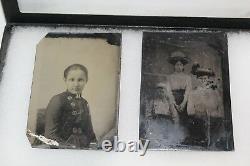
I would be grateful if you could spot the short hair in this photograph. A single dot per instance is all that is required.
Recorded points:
(74, 67)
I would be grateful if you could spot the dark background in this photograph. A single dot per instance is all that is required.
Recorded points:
(209, 49)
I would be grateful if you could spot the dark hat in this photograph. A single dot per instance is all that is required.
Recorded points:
(178, 56)
(198, 71)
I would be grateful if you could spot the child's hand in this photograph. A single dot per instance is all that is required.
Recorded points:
(182, 106)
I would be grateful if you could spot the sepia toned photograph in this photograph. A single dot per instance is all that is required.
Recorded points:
(185, 91)
(75, 91)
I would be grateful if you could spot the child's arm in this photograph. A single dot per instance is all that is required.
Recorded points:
(187, 92)
(52, 119)
(174, 114)
(90, 131)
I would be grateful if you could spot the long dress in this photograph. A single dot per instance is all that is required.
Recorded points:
(160, 123)
(206, 109)
(181, 86)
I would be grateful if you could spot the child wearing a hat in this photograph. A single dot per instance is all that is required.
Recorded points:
(161, 119)
(205, 109)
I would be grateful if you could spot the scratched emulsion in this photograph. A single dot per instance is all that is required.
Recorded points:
(89, 114)
(185, 98)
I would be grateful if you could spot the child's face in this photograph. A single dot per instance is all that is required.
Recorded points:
(203, 80)
(75, 81)
(160, 93)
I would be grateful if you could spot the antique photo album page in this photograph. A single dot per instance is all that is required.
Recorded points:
(136, 86)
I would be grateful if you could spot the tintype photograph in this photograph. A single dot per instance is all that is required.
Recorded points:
(185, 91)
(75, 91)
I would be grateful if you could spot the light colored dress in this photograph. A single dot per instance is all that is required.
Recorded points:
(205, 102)
(161, 122)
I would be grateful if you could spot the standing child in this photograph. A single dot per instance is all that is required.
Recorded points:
(161, 119)
(68, 119)
(205, 109)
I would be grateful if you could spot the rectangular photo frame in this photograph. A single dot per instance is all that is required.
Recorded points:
(75, 91)
(185, 91)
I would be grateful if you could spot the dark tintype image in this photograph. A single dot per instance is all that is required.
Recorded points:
(74, 92)
(185, 97)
